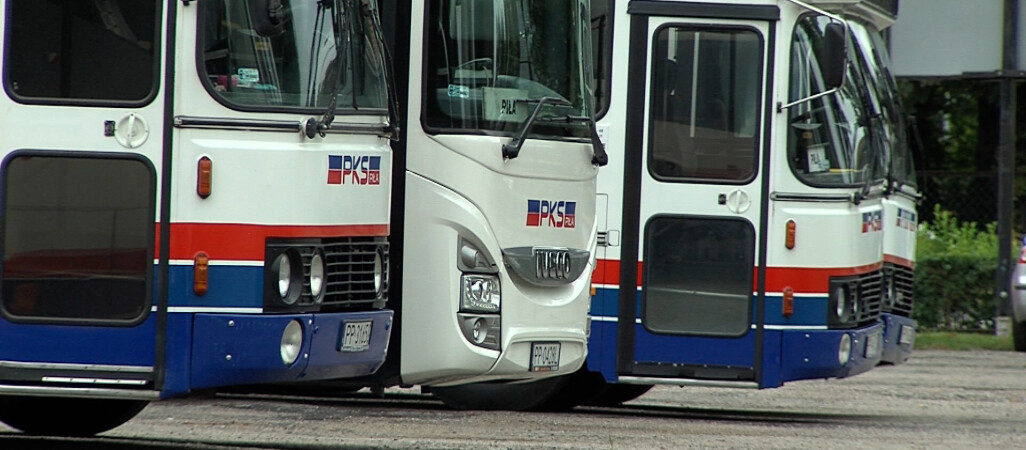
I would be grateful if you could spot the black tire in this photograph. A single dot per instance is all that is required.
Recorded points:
(580, 388)
(615, 394)
(53, 416)
(530, 396)
(1019, 335)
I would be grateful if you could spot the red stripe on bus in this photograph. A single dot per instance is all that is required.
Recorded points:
(245, 242)
(894, 259)
(802, 280)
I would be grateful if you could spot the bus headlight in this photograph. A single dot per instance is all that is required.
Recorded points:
(289, 276)
(291, 342)
(317, 271)
(844, 303)
(480, 293)
(844, 349)
(379, 274)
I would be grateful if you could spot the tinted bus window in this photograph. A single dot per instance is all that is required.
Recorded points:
(102, 50)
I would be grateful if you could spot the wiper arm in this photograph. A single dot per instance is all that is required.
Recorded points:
(314, 127)
(512, 149)
(599, 158)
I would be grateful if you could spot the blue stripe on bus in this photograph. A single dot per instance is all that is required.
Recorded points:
(808, 310)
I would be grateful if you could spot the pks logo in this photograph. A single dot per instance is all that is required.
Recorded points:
(361, 169)
(872, 221)
(906, 219)
(554, 213)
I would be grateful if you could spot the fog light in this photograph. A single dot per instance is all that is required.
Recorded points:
(291, 342)
(317, 277)
(482, 330)
(844, 349)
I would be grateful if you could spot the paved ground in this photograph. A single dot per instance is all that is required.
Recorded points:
(955, 400)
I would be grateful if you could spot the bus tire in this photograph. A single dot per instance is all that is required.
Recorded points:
(1019, 335)
(55, 416)
(530, 396)
(615, 394)
(581, 388)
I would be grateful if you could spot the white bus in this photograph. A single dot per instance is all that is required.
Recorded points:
(494, 234)
(741, 217)
(192, 195)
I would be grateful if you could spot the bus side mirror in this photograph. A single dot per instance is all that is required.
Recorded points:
(833, 56)
(267, 17)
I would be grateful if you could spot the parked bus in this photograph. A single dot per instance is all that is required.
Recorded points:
(493, 231)
(740, 218)
(194, 195)
(900, 216)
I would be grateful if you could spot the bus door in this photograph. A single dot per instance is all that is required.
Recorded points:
(695, 191)
(83, 133)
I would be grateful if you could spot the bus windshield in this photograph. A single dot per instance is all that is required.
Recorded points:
(830, 143)
(489, 62)
(324, 48)
(897, 152)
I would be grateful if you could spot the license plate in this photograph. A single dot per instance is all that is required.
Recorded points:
(907, 335)
(873, 345)
(544, 356)
(355, 336)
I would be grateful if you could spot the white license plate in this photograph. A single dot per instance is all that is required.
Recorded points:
(907, 335)
(874, 344)
(355, 336)
(544, 356)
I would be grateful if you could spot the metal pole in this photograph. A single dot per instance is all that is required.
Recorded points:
(1006, 162)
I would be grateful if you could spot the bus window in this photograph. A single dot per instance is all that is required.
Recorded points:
(698, 276)
(704, 104)
(325, 48)
(75, 249)
(85, 51)
(489, 62)
(829, 142)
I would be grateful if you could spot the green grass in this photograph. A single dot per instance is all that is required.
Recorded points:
(949, 340)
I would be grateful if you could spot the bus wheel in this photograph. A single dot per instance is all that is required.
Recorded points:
(500, 396)
(581, 388)
(66, 416)
(1019, 335)
(615, 394)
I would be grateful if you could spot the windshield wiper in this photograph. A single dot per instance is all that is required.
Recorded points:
(313, 126)
(512, 149)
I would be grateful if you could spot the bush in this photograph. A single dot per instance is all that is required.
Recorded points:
(955, 267)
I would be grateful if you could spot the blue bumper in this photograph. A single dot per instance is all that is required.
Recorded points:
(237, 349)
(899, 338)
(812, 354)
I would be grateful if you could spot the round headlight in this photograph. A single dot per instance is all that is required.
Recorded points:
(841, 309)
(379, 273)
(844, 349)
(892, 292)
(856, 305)
(480, 330)
(284, 276)
(291, 342)
(317, 276)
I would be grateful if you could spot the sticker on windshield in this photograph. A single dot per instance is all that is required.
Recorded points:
(248, 76)
(458, 91)
(817, 159)
(505, 105)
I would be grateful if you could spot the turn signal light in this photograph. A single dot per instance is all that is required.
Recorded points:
(204, 177)
(789, 237)
(788, 304)
(200, 273)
